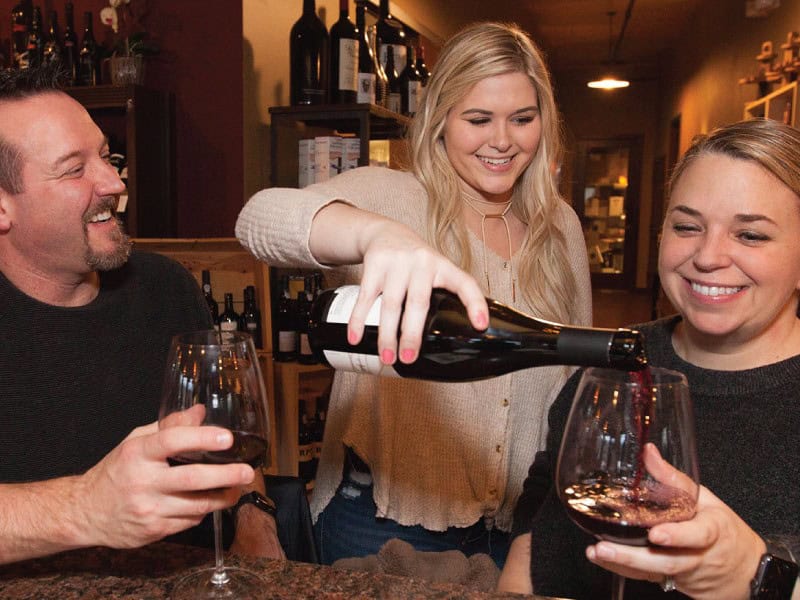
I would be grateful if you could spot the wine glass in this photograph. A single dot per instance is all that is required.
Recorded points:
(628, 458)
(213, 378)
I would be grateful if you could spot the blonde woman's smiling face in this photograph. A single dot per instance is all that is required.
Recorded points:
(493, 133)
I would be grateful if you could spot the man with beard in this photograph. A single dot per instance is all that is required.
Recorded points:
(85, 327)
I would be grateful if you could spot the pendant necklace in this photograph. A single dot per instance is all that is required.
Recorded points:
(471, 200)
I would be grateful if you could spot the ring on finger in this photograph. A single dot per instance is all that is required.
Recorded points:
(668, 584)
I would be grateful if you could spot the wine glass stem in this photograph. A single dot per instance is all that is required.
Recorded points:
(617, 586)
(220, 577)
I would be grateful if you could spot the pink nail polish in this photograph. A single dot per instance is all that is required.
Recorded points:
(351, 337)
(482, 320)
(407, 355)
(387, 357)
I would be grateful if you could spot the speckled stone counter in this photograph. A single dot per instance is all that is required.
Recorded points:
(150, 573)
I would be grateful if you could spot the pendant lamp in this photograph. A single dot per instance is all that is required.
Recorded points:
(609, 81)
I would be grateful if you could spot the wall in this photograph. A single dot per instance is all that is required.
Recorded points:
(718, 48)
(199, 62)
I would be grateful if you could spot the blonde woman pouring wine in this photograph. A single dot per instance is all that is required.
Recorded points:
(439, 465)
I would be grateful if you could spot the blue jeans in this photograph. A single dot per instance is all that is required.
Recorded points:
(348, 528)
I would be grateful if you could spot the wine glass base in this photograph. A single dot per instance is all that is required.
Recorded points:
(239, 584)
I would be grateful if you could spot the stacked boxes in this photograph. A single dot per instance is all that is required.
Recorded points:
(326, 156)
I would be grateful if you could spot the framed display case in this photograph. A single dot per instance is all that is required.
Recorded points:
(606, 197)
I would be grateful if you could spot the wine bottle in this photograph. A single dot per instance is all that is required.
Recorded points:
(70, 45)
(20, 25)
(381, 81)
(410, 85)
(452, 350)
(87, 56)
(35, 46)
(305, 299)
(52, 52)
(422, 68)
(344, 58)
(305, 450)
(309, 58)
(250, 319)
(286, 325)
(229, 319)
(390, 34)
(365, 92)
(213, 306)
(395, 96)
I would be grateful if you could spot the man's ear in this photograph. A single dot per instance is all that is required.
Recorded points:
(6, 209)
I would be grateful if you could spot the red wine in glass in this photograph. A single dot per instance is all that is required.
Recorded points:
(246, 448)
(618, 422)
(213, 378)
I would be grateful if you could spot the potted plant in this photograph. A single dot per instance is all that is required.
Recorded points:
(131, 44)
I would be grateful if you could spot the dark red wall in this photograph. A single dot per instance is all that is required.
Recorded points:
(201, 64)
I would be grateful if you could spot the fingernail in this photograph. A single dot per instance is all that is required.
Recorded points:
(407, 355)
(590, 553)
(387, 357)
(482, 320)
(352, 338)
(225, 438)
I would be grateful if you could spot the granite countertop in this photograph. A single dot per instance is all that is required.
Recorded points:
(150, 572)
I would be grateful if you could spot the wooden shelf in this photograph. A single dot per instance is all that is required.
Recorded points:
(143, 119)
(232, 269)
(775, 105)
(289, 124)
(291, 380)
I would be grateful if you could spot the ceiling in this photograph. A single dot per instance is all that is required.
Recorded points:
(573, 33)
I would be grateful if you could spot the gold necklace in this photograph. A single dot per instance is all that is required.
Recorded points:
(501, 215)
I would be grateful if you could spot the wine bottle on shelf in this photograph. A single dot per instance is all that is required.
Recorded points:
(422, 68)
(344, 58)
(286, 325)
(319, 431)
(21, 16)
(381, 81)
(229, 319)
(70, 45)
(87, 56)
(390, 34)
(213, 306)
(309, 55)
(35, 46)
(305, 449)
(365, 92)
(395, 96)
(452, 350)
(250, 319)
(305, 299)
(52, 52)
(410, 85)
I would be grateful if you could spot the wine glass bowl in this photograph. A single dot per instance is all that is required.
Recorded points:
(628, 459)
(214, 378)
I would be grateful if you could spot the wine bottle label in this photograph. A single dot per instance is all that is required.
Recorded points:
(395, 102)
(287, 341)
(413, 96)
(305, 347)
(366, 88)
(227, 325)
(348, 64)
(339, 311)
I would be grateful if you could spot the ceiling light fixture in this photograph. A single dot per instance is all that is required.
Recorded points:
(609, 81)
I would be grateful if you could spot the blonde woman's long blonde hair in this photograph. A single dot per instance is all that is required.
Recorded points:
(479, 51)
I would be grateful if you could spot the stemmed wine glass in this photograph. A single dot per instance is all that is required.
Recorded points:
(611, 473)
(213, 378)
